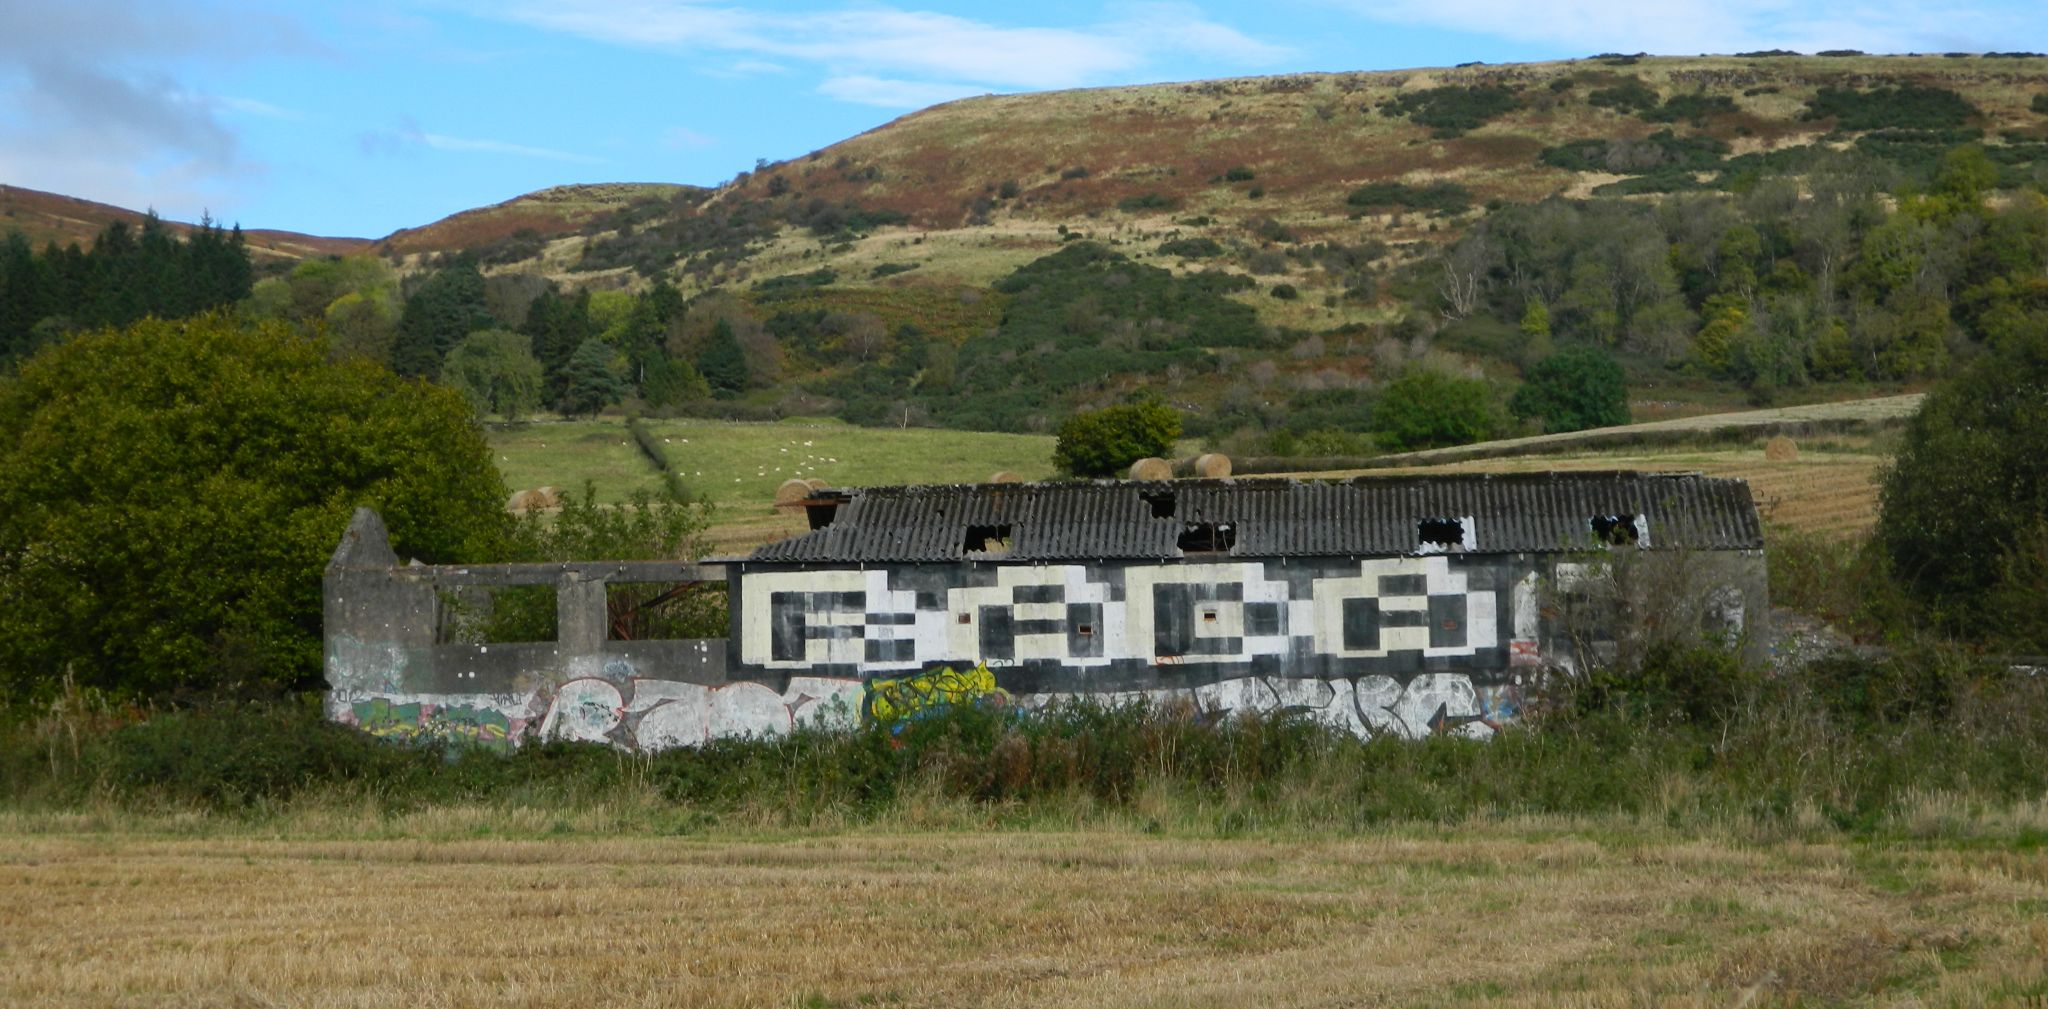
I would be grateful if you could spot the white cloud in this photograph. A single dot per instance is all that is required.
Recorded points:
(1683, 27)
(410, 136)
(886, 55)
(891, 94)
(680, 137)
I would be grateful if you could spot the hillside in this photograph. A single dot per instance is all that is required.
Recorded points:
(50, 217)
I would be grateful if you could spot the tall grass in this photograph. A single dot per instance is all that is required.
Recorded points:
(1691, 739)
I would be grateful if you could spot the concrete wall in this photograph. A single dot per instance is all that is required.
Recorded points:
(1409, 645)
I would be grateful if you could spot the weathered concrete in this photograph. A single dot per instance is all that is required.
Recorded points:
(1429, 643)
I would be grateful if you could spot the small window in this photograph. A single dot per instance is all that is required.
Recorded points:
(1208, 538)
(1438, 535)
(1208, 616)
(965, 618)
(987, 540)
(1617, 530)
(1085, 630)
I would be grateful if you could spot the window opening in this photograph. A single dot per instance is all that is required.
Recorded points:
(1437, 535)
(664, 611)
(1617, 530)
(966, 618)
(987, 540)
(1208, 537)
(1208, 616)
(1085, 630)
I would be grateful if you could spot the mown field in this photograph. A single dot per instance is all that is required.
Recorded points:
(1525, 913)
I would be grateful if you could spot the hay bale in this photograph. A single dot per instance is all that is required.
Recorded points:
(520, 501)
(1212, 466)
(1005, 477)
(817, 484)
(547, 497)
(1781, 449)
(792, 491)
(1152, 469)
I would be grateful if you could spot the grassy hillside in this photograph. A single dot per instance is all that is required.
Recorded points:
(50, 217)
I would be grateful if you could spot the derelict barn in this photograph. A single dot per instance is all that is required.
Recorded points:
(1382, 605)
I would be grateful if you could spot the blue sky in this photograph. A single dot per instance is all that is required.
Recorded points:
(363, 117)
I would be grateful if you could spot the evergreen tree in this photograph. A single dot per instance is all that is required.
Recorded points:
(723, 362)
(588, 383)
(445, 309)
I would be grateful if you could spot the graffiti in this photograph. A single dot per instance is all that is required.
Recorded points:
(893, 702)
(420, 721)
(647, 714)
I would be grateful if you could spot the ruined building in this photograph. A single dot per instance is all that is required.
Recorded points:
(1407, 605)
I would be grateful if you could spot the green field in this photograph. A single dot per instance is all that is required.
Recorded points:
(737, 466)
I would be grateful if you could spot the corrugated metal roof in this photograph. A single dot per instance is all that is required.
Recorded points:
(1366, 516)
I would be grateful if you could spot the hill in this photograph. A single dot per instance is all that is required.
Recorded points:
(50, 217)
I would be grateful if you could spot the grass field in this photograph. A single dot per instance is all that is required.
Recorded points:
(737, 466)
(1520, 913)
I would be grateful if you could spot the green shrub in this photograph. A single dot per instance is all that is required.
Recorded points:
(1146, 201)
(1453, 109)
(1106, 442)
(1239, 173)
(1573, 390)
(1691, 108)
(1629, 95)
(1907, 106)
(1445, 197)
(1191, 248)
(1426, 408)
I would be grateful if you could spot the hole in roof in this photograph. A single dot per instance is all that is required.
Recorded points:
(821, 515)
(1162, 503)
(1207, 537)
(987, 540)
(1617, 530)
(1440, 534)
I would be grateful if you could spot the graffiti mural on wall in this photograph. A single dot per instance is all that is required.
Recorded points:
(894, 701)
(428, 720)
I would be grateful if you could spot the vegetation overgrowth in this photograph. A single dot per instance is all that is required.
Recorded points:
(1689, 735)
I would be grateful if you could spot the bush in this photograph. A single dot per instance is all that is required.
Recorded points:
(1425, 408)
(1106, 442)
(1453, 109)
(1146, 201)
(174, 490)
(1447, 197)
(1908, 106)
(1969, 483)
(1191, 248)
(1573, 390)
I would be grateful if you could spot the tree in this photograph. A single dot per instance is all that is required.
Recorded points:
(1106, 442)
(446, 308)
(495, 371)
(175, 488)
(1573, 390)
(1968, 483)
(588, 382)
(723, 362)
(1426, 408)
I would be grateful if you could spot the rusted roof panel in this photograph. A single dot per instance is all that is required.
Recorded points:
(1366, 516)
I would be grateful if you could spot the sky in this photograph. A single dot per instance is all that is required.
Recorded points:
(360, 118)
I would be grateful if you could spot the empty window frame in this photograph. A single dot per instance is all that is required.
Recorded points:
(1207, 537)
(1443, 535)
(1617, 530)
(987, 540)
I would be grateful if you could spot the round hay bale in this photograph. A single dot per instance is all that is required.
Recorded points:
(792, 491)
(817, 484)
(1005, 477)
(1152, 469)
(520, 501)
(1212, 466)
(1781, 449)
(547, 497)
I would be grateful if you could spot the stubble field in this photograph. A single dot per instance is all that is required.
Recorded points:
(1511, 914)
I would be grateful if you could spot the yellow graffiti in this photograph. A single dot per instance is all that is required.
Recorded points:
(891, 701)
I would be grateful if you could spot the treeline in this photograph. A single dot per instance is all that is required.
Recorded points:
(129, 273)
(1784, 283)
